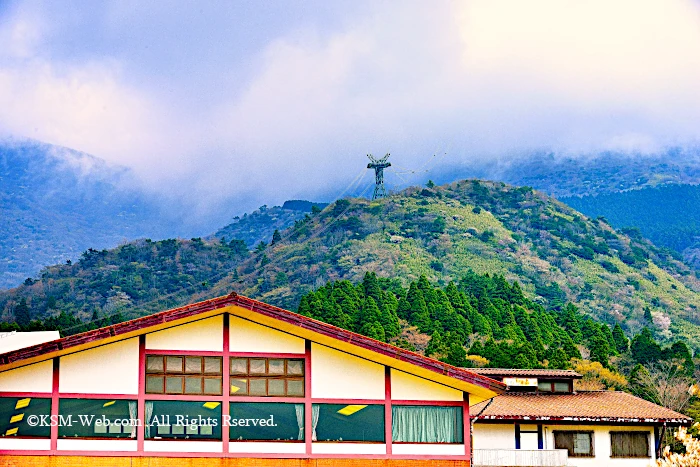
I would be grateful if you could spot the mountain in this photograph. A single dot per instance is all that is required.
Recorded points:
(667, 215)
(259, 225)
(555, 253)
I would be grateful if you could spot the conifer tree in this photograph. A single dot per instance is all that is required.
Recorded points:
(622, 344)
(22, 316)
(644, 348)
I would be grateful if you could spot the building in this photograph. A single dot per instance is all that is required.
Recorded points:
(235, 379)
(541, 412)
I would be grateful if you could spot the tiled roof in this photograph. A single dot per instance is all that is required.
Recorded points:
(141, 325)
(589, 406)
(535, 373)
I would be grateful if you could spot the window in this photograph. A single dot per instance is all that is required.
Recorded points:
(183, 374)
(553, 386)
(183, 420)
(342, 422)
(544, 386)
(426, 424)
(273, 377)
(97, 418)
(15, 413)
(629, 444)
(578, 443)
(266, 422)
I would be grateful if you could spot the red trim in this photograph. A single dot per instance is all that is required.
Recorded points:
(308, 423)
(183, 397)
(436, 403)
(45, 395)
(54, 402)
(141, 404)
(164, 317)
(226, 385)
(388, 424)
(267, 355)
(71, 395)
(198, 353)
(467, 427)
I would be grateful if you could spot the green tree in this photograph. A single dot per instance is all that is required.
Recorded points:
(622, 344)
(22, 316)
(644, 348)
(276, 237)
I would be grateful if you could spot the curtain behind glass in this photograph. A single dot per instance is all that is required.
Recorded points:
(425, 424)
(315, 410)
(132, 416)
(148, 412)
(299, 408)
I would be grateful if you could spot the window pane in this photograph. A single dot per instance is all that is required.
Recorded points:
(239, 387)
(544, 386)
(577, 443)
(193, 385)
(154, 384)
(154, 364)
(212, 365)
(14, 415)
(193, 364)
(258, 387)
(561, 387)
(629, 444)
(212, 386)
(295, 387)
(275, 387)
(257, 366)
(188, 420)
(278, 422)
(340, 422)
(295, 367)
(173, 364)
(239, 366)
(275, 366)
(426, 424)
(97, 418)
(173, 385)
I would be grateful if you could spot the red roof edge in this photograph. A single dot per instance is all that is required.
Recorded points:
(687, 421)
(264, 309)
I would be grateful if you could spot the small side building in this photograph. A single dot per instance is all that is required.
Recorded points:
(541, 417)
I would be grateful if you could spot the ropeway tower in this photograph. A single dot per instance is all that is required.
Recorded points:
(378, 165)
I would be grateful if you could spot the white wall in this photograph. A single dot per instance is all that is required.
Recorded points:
(121, 445)
(405, 386)
(242, 447)
(26, 444)
(19, 340)
(206, 334)
(109, 369)
(493, 436)
(31, 378)
(183, 446)
(246, 336)
(338, 375)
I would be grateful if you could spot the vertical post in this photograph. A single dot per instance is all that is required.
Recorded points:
(141, 398)
(467, 426)
(517, 436)
(226, 383)
(54, 404)
(308, 423)
(540, 438)
(388, 421)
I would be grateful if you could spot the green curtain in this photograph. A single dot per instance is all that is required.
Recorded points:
(426, 424)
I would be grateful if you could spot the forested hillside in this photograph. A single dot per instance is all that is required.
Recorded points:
(555, 254)
(668, 215)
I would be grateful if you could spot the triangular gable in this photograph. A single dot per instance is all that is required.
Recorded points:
(479, 387)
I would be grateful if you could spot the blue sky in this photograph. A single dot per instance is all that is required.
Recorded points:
(261, 101)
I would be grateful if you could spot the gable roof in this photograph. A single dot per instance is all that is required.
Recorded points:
(584, 406)
(531, 373)
(265, 314)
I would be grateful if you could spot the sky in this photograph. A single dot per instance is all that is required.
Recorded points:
(243, 103)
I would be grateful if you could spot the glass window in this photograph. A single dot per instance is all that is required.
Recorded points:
(544, 386)
(629, 444)
(561, 386)
(174, 374)
(273, 377)
(14, 415)
(578, 443)
(266, 421)
(97, 418)
(426, 424)
(183, 420)
(343, 422)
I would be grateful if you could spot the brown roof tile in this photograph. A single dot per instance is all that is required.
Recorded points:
(589, 406)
